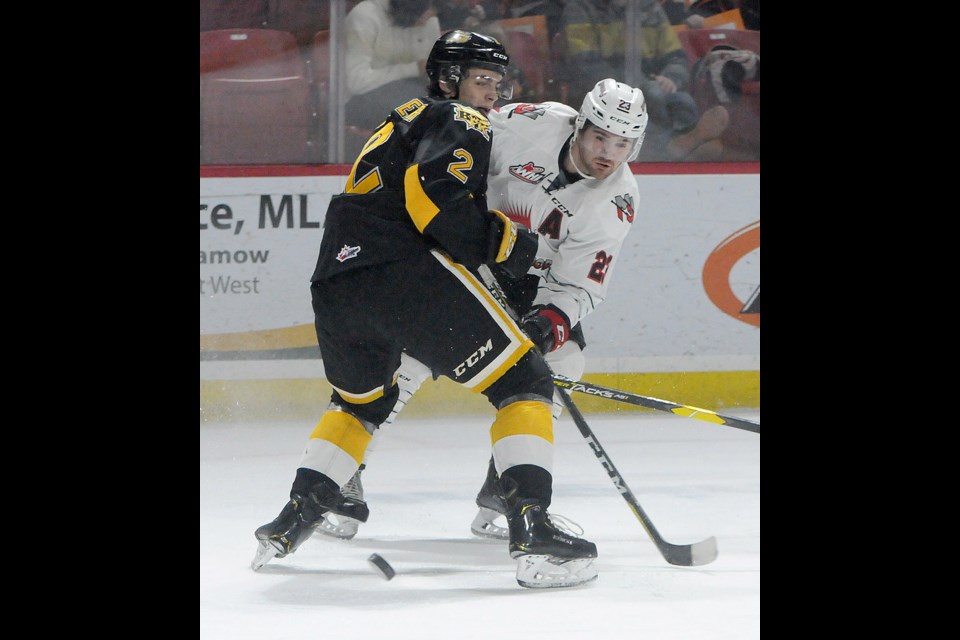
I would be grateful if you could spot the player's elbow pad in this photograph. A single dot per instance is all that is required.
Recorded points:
(511, 248)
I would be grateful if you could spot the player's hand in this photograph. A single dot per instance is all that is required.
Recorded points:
(548, 328)
(510, 247)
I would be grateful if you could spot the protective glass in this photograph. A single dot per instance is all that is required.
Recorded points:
(504, 87)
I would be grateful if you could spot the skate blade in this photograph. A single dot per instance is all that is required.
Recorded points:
(547, 572)
(265, 553)
(484, 527)
(343, 528)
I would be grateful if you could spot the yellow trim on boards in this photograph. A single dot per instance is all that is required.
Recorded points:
(304, 335)
(307, 398)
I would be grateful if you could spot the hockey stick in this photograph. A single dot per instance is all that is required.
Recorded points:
(655, 403)
(684, 555)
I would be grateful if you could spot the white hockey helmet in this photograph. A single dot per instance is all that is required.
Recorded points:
(618, 108)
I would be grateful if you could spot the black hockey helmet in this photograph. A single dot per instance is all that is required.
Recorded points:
(456, 50)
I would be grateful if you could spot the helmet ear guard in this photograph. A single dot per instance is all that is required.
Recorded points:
(451, 76)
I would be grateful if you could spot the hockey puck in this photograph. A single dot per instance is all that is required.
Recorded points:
(382, 565)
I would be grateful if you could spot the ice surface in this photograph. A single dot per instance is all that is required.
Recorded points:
(693, 479)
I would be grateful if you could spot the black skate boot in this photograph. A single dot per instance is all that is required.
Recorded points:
(492, 505)
(547, 556)
(337, 525)
(299, 519)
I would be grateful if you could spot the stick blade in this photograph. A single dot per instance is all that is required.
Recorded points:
(690, 555)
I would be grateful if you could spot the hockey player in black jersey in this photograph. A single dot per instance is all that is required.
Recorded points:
(565, 174)
(396, 272)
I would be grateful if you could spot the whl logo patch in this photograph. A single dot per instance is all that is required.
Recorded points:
(528, 172)
(347, 252)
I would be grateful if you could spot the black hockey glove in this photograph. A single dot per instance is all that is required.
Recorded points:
(510, 247)
(548, 327)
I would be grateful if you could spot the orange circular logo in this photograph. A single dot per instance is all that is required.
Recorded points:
(716, 274)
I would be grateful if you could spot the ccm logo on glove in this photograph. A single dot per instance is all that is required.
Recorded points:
(547, 327)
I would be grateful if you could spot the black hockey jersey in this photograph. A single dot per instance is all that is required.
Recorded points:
(419, 183)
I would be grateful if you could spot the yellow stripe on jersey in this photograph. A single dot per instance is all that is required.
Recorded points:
(372, 181)
(480, 291)
(421, 208)
(519, 342)
(361, 398)
(343, 430)
(524, 418)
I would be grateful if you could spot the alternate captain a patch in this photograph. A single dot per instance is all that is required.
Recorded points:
(473, 119)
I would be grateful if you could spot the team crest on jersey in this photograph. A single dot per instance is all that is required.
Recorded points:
(347, 252)
(473, 119)
(624, 205)
(532, 111)
(528, 172)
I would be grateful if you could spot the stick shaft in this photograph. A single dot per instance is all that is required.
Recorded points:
(675, 408)
(685, 555)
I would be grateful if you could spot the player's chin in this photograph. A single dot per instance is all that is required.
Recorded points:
(600, 171)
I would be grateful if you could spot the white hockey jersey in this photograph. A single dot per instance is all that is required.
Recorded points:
(582, 225)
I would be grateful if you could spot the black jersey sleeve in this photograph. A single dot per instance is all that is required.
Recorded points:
(446, 181)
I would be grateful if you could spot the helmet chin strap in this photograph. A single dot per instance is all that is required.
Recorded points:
(573, 160)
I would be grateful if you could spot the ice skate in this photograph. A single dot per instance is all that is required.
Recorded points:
(547, 556)
(492, 507)
(342, 526)
(285, 534)
(298, 520)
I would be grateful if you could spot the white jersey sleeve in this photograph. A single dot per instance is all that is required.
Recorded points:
(582, 224)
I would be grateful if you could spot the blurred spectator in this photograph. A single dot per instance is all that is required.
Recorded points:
(387, 44)
(676, 10)
(595, 34)
(467, 14)
(750, 10)
(730, 77)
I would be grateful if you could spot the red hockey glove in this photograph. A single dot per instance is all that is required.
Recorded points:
(548, 328)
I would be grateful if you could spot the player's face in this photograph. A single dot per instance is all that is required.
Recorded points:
(599, 153)
(480, 88)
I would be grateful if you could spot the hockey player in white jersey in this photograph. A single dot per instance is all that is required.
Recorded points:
(565, 175)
